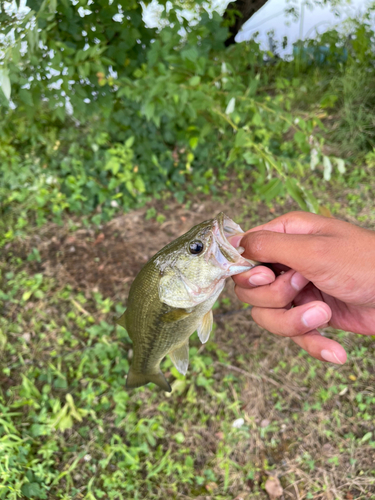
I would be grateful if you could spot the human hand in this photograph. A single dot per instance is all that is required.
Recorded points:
(329, 279)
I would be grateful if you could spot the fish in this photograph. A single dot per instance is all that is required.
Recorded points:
(173, 295)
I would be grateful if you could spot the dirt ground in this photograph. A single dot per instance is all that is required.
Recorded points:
(108, 259)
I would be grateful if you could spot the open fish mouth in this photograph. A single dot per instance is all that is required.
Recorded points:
(224, 254)
(227, 227)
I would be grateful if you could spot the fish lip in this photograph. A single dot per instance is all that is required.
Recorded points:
(222, 229)
(231, 231)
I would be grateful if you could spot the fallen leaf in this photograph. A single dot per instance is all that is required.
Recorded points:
(325, 211)
(327, 449)
(99, 239)
(273, 488)
(211, 486)
(26, 336)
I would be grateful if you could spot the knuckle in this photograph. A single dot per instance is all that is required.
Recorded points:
(280, 302)
(294, 330)
(296, 216)
(244, 295)
(279, 322)
(281, 293)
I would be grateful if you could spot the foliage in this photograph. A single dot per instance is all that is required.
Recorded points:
(107, 114)
(345, 89)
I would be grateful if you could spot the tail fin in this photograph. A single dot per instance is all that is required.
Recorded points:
(137, 379)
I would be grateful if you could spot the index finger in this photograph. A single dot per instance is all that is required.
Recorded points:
(289, 239)
(292, 223)
(296, 223)
(300, 252)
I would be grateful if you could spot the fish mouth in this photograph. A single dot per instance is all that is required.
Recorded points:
(225, 255)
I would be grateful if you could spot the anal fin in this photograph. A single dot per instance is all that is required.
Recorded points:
(204, 329)
(180, 357)
(137, 379)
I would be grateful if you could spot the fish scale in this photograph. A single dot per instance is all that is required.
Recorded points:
(173, 295)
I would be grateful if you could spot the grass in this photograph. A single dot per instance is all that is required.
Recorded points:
(70, 430)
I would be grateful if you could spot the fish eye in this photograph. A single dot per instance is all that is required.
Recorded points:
(196, 247)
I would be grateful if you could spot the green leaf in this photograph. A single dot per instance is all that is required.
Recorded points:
(65, 423)
(231, 106)
(26, 295)
(179, 437)
(191, 54)
(33, 490)
(139, 184)
(272, 189)
(256, 120)
(366, 437)
(243, 138)
(5, 82)
(194, 81)
(311, 202)
(193, 142)
(327, 168)
(296, 192)
(340, 163)
(314, 158)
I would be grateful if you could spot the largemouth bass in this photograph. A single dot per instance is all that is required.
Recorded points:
(172, 297)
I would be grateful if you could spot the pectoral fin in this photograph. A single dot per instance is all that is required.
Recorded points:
(180, 357)
(204, 329)
(174, 315)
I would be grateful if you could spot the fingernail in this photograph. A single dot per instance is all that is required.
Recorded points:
(315, 317)
(330, 356)
(260, 279)
(298, 281)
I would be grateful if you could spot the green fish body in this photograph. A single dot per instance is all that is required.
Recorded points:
(172, 297)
